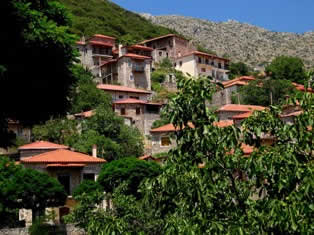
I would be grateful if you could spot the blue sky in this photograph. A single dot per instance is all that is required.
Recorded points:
(277, 15)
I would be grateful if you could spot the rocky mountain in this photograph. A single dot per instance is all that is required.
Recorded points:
(240, 41)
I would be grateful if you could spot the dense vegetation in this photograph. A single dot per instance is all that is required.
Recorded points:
(269, 192)
(105, 17)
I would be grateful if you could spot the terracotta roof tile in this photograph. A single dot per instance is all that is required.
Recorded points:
(99, 43)
(223, 123)
(242, 115)
(130, 101)
(239, 108)
(136, 56)
(242, 81)
(140, 47)
(108, 62)
(62, 156)
(43, 145)
(301, 87)
(121, 88)
(86, 114)
(103, 36)
(80, 43)
(66, 165)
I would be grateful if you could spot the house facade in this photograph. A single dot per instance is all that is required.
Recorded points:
(198, 63)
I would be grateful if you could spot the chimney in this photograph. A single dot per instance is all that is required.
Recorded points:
(120, 50)
(94, 150)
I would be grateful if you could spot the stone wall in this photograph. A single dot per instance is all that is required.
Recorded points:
(61, 229)
(156, 142)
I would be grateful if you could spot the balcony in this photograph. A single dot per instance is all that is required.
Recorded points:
(102, 52)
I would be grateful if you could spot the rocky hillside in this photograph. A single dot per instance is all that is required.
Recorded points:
(241, 42)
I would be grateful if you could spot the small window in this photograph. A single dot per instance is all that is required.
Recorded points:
(175, 65)
(120, 96)
(138, 110)
(135, 97)
(122, 111)
(160, 53)
(203, 70)
(165, 141)
(131, 77)
(199, 60)
(180, 63)
(213, 63)
(89, 176)
(206, 61)
(219, 65)
(167, 54)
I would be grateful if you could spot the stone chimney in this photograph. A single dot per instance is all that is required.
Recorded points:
(120, 50)
(94, 150)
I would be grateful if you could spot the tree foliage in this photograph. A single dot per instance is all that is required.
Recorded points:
(266, 92)
(107, 18)
(26, 188)
(269, 192)
(238, 69)
(287, 68)
(129, 170)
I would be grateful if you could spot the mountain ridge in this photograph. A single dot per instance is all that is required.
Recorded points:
(244, 42)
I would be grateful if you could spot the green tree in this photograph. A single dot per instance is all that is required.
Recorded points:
(127, 170)
(266, 193)
(86, 187)
(266, 92)
(36, 61)
(238, 69)
(85, 95)
(27, 188)
(287, 68)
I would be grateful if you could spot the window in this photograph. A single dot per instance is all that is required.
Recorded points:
(135, 97)
(167, 54)
(138, 110)
(213, 63)
(65, 181)
(199, 60)
(175, 65)
(89, 176)
(160, 53)
(219, 65)
(131, 77)
(203, 70)
(122, 111)
(206, 61)
(152, 109)
(165, 141)
(120, 96)
(180, 63)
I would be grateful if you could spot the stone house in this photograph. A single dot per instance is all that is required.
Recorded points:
(124, 92)
(38, 147)
(198, 63)
(140, 113)
(69, 168)
(95, 51)
(20, 130)
(228, 111)
(164, 139)
(168, 46)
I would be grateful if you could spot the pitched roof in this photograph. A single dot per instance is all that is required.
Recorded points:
(42, 145)
(108, 87)
(80, 43)
(62, 156)
(239, 108)
(203, 54)
(242, 81)
(301, 87)
(293, 114)
(108, 62)
(223, 123)
(161, 37)
(86, 114)
(130, 101)
(136, 56)
(242, 115)
(140, 47)
(99, 43)
(103, 36)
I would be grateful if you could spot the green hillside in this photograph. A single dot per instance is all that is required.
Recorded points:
(105, 17)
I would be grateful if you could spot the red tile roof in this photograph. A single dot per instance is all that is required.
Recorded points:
(86, 114)
(223, 123)
(294, 114)
(165, 128)
(140, 47)
(66, 165)
(108, 62)
(130, 101)
(62, 156)
(241, 81)
(300, 87)
(80, 43)
(103, 36)
(99, 43)
(242, 115)
(136, 56)
(203, 54)
(160, 37)
(43, 145)
(108, 87)
(239, 108)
